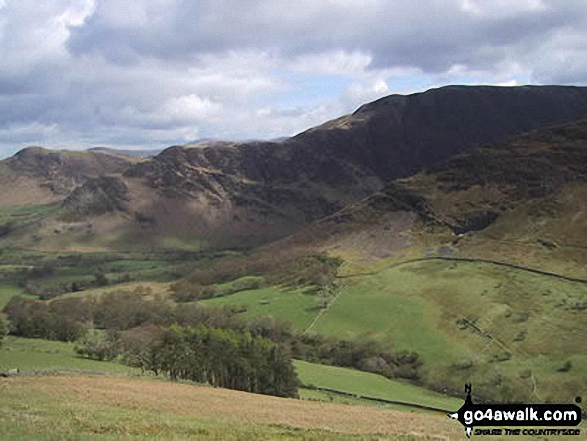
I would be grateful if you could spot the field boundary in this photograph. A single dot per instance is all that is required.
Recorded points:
(469, 260)
(383, 400)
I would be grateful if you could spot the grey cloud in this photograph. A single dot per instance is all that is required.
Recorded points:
(125, 73)
(429, 35)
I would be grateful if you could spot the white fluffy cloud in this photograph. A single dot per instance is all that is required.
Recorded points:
(77, 73)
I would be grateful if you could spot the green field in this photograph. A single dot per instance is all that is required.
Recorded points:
(371, 385)
(513, 333)
(7, 290)
(31, 355)
(295, 306)
(19, 216)
(507, 330)
(57, 272)
(52, 407)
(113, 407)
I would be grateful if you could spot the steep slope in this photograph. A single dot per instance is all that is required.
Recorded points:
(523, 202)
(267, 190)
(478, 264)
(244, 194)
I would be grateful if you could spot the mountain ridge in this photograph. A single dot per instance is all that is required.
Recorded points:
(229, 194)
(521, 201)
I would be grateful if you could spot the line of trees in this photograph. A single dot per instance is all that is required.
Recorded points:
(123, 312)
(222, 358)
(55, 321)
(290, 268)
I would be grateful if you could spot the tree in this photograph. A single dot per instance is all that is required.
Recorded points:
(100, 278)
(222, 358)
(97, 348)
(34, 319)
(187, 291)
(141, 347)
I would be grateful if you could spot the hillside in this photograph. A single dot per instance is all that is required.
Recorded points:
(238, 195)
(38, 176)
(128, 404)
(101, 407)
(459, 253)
(477, 264)
(521, 202)
(269, 190)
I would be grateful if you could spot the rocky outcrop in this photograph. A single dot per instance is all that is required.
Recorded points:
(98, 196)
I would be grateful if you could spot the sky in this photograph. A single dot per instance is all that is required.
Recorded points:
(76, 74)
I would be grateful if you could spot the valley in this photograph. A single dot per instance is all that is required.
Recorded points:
(395, 254)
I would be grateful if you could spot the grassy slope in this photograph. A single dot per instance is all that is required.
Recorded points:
(92, 407)
(534, 320)
(78, 407)
(292, 305)
(41, 355)
(7, 290)
(416, 308)
(108, 421)
(370, 385)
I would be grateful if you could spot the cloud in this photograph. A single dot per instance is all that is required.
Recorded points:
(148, 73)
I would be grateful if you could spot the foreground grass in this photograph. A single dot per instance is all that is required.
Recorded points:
(31, 355)
(85, 407)
(90, 407)
(116, 406)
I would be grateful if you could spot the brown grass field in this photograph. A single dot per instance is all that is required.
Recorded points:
(82, 407)
(79, 407)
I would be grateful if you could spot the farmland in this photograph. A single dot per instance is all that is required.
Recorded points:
(466, 320)
(42, 356)
(293, 305)
(37, 355)
(112, 404)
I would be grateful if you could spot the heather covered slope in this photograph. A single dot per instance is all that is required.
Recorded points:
(521, 202)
